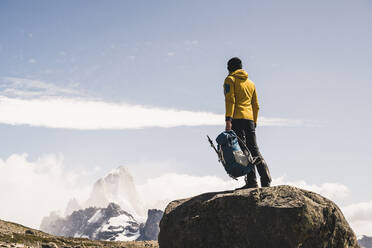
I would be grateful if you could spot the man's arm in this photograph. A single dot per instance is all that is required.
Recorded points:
(229, 101)
(255, 106)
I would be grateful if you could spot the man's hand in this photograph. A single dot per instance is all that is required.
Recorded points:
(228, 125)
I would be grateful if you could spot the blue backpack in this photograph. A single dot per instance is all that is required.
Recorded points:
(236, 162)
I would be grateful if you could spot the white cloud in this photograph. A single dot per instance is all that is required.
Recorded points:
(32, 61)
(27, 88)
(359, 216)
(170, 54)
(333, 191)
(94, 114)
(31, 189)
(158, 191)
(36, 103)
(85, 114)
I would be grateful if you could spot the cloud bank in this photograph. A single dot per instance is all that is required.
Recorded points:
(36, 103)
(29, 88)
(30, 190)
(359, 216)
(158, 191)
(333, 191)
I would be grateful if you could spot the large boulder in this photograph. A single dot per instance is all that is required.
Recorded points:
(281, 216)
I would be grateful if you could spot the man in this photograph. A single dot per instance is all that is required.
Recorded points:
(241, 116)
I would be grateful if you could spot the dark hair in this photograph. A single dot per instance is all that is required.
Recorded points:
(234, 64)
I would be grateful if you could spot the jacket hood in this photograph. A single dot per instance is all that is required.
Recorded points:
(240, 73)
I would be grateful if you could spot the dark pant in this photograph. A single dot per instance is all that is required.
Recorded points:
(246, 131)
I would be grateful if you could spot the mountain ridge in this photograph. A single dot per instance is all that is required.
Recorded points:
(110, 224)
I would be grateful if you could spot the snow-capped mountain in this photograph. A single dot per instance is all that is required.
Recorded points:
(118, 187)
(365, 242)
(111, 223)
(113, 211)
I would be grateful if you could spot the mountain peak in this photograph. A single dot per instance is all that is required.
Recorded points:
(117, 187)
(121, 170)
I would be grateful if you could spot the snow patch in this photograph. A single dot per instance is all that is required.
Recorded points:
(119, 224)
(96, 217)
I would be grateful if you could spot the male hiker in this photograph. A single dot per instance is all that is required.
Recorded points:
(241, 116)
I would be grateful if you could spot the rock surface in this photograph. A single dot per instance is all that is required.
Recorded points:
(281, 216)
(150, 230)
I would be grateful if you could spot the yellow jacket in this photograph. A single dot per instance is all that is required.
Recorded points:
(240, 96)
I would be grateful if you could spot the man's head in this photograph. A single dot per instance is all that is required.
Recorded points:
(234, 64)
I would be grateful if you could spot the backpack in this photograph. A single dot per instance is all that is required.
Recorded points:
(236, 162)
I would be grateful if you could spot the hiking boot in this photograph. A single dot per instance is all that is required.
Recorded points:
(250, 181)
(265, 184)
(248, 187)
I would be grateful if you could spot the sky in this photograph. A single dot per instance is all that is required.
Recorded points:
(87, 86)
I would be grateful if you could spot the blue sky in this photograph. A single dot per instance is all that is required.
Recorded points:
(149, 60)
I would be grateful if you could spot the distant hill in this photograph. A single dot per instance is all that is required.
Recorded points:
(15, 235)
